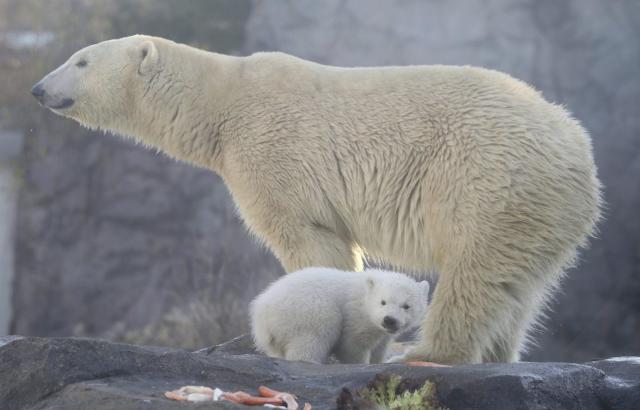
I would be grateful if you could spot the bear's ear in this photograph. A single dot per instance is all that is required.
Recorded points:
(370, 283)
(147, 53)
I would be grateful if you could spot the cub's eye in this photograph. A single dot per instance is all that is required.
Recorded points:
(81, 63)
(383, 303)
(405, 306)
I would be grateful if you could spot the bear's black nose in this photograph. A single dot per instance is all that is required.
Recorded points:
(390, 323)
(37, 91)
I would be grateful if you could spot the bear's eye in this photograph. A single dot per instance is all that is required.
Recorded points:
(405, 306)
(383, 303)
(81, 63)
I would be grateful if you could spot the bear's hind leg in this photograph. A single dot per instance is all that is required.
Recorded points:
(309, 348)
(475, 317)
(507, 345)
(505, 350)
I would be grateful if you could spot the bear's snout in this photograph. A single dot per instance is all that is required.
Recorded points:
(48, 100)
(38, 91)
(390, 323)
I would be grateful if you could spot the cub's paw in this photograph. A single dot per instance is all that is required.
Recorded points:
(414, 357)
(399, 358)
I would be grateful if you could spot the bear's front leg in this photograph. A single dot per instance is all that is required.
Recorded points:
(317, 247)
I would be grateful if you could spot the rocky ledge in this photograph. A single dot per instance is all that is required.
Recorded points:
(71, 373)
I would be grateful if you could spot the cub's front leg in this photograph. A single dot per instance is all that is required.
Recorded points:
(353, 353)
(379, 352)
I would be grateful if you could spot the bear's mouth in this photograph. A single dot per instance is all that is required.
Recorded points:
(391, 330)
(65, 103)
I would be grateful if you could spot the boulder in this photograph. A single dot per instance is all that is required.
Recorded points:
(75, 373)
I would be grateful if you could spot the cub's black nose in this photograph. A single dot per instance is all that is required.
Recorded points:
(390, 323)
(37, 91)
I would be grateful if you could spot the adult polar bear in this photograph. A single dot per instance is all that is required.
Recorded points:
(458, 170)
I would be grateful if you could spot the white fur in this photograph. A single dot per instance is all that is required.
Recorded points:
(459, 170)
(310, 314)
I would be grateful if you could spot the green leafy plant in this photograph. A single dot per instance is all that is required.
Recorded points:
(390, 392)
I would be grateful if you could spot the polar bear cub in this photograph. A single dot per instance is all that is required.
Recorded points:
(313, 313)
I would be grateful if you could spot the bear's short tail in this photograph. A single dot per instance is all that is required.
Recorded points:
(263, 336)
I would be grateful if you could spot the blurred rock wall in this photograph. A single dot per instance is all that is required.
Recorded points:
(10, 148)
(583, 54)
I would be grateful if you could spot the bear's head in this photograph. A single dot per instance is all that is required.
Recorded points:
(99, 86)
(395, 302)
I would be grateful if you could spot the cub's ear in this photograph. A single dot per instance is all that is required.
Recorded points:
(370, 283)
(424, 285)
(147, 55)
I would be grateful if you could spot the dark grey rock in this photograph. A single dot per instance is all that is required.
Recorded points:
(72, 373)
(622, 381)
(523, 386)
(8, 339)
(242, 344)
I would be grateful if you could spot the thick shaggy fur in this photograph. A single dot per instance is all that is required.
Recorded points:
(457, 170)
(310, 314)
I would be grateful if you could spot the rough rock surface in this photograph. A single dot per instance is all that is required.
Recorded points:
(72, 373)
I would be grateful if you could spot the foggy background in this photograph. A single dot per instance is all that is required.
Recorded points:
(102, 238)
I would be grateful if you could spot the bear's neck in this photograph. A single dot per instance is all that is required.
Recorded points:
(184, 107)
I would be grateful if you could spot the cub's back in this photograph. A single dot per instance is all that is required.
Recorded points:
(310, 288)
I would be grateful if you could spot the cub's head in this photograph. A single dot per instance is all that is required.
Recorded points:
(100, 85)
(394, 301)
